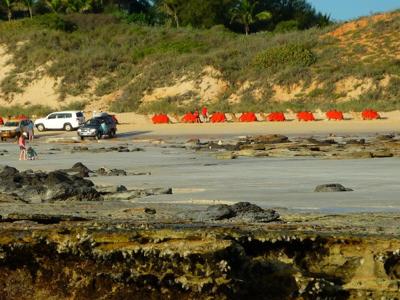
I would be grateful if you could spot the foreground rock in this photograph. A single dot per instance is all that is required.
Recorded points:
(39, 186)
(331, 187)
(127, 261)
(239, 212)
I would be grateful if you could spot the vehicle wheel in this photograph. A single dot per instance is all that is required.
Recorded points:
(40, 127)
(82, 138)
(67, 127)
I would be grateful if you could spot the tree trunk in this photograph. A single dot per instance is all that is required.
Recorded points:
(9, 14)
(247, 28)
(176, 19)
(30, 11)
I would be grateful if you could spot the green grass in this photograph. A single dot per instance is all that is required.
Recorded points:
(135, 59)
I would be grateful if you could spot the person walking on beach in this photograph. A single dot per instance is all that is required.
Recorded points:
(22, 146)
(30, 131)
(196, 116)
(104, 128)
(204, 114)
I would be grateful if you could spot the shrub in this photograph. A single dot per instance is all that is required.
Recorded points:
(286, 55)
(287, 26)
(55, 22)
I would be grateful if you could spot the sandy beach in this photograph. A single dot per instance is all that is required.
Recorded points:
(142, 125)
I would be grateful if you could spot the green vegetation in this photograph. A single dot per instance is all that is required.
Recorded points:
(287, 55)
(106, 53)
(27, 110)
(248, 14)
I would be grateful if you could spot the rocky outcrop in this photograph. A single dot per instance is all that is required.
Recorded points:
(326, 148)
(93, 261)
(39, 186)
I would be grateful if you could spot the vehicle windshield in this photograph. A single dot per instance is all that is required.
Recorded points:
(12, 124)
(93, 122)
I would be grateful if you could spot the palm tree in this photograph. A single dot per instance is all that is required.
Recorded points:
(55, 5)
(29, 4)
(243, 13)
(8, 4)
(82, 6)
(170, 7)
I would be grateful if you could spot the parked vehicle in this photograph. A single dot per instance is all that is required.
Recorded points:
(93, 127)
(63, 120)
(12, 128)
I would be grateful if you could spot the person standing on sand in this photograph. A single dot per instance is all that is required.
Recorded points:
(196, 115)
(30, 131)
(22, 146)
(204, 114)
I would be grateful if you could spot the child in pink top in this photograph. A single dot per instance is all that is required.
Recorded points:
(22, 146)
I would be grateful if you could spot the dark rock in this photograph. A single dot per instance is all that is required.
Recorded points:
(240, 212)
(150, 211)
(81, 169)
(249, 212)
(32, 186)
(332, 187)
(57, 177)
(216, 213)
(245, 207)
(111, 172)
(7, 171)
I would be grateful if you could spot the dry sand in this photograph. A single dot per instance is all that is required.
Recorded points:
(135, 124)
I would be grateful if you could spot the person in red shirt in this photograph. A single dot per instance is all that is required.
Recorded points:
(204, 114)
(1, 121)
(197, 116)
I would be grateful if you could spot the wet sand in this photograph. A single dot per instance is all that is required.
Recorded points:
(199, 179)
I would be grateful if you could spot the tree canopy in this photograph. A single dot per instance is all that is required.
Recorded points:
(243, 16)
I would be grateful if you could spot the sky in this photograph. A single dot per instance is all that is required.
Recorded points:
(342, 10)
